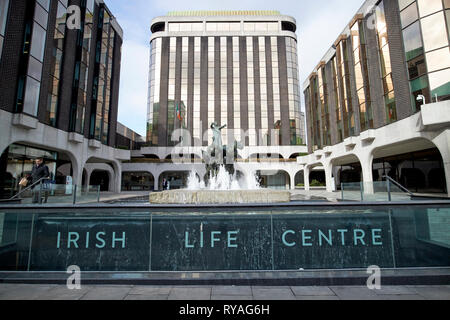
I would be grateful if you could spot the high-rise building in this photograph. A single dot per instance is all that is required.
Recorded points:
(59, 87)
(233, 68)
(237, 68)
(377, 103)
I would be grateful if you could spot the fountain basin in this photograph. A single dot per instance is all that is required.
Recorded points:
(220, 197)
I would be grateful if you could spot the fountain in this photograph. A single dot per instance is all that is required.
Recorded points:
(222, 185)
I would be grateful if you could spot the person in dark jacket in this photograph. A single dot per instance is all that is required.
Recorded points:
(39, 171)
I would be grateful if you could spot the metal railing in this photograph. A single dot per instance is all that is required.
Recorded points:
(30, 187)
(387, 190)
(42, 192)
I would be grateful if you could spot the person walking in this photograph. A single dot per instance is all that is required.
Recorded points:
(39, 171)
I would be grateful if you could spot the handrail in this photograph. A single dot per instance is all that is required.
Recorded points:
(398, 185)
(28, 188)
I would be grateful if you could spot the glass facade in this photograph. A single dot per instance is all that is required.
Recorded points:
(314, 111)
(82, 66)
(385, 62)
(337, 97)
(56, 63)
(294, 92)
(362, 75)
(32, 58)
(4, 5)
(343, 74)
(426, 40)
(103, 73)
(324, 109)
(227, 60)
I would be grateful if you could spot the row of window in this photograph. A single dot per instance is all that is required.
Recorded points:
(345, 115)
(224, 26)
(426, 33)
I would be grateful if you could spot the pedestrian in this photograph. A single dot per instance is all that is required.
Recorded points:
(164, 184)
(39, 172)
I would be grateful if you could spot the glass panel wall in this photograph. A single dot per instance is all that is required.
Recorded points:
(362, 75)
(32, 59)
(345, 88)
(426, 41)
(385, 61)
(4, 5)
(82, 66)
(323, 97)
(56, 62)
(294, 93)
(338, 102)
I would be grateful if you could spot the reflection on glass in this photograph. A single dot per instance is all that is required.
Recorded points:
(434, 31)
(389, 94)
(427, 7)
(440, 84)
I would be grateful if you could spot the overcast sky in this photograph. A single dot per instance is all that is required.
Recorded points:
(319, 23)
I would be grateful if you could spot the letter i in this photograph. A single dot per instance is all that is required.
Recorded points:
(58, 241)
(201, 239)
(87, 240)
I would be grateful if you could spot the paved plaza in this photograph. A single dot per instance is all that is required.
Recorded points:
(130, 292)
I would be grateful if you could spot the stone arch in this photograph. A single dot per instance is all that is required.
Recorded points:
(299, 178)
(273, 179)
(178, 178)
(401, 161)
(296, 155)
(347, 169)
(102, 178)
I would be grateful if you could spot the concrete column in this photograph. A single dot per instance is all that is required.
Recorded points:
(156, 176)
(77, 177)
(88, 176)
(328, 167)
(442, 142)
(117, 178)
(367, 172)
(86, 182)
(292, 177)
(306, 175)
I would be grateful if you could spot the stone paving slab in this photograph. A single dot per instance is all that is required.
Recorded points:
(190, 293)
(395, 290)
(312, 291)
(354, 293)
(276, 293)
(107, 293)
(432, 292)
(321, 298)
(231, 298)
(230, 293)
(150, 290)
(146, 297)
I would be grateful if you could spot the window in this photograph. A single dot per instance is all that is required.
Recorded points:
(4, 4)
(427, 7)
(385, 60)
(434, 31)
(38, 42)
(32, 90)
(426, 43)
(409, 15)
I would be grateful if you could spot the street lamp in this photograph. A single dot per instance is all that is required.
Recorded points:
(421, 97)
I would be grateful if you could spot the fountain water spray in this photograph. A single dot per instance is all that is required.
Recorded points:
(223, 181)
